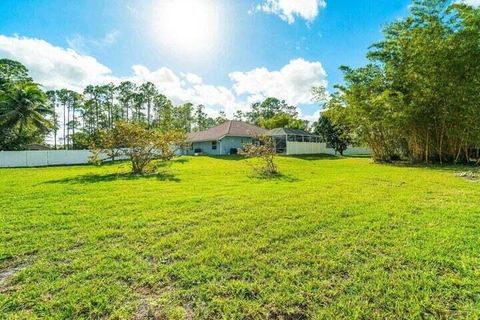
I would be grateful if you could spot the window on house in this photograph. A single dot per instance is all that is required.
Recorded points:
(214, 145)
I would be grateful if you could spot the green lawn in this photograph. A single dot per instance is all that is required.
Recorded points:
(332, 238)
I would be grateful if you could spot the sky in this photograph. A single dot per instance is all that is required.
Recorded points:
(225, 54)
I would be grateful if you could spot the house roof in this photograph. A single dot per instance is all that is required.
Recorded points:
(289, 132)
(230, 128)
(36, 146)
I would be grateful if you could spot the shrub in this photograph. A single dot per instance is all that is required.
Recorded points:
(264, 150)
(140, 145)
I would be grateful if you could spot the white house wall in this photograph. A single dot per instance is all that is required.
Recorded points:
(223, 146)
(228, 143)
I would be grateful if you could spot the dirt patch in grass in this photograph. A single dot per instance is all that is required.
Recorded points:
(151, 308)
(6, 275)
(471, 175)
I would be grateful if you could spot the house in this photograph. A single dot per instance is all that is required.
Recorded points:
(224, 139)
(296, 142)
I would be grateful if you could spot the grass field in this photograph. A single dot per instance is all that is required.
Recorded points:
(331, 238)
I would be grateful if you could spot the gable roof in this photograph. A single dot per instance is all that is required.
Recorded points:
(230, 128)
(36, 146)
(289, 132)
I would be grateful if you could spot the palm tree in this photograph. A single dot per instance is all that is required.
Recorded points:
(22, 105)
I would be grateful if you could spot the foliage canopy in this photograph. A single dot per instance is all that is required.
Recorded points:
(420, 95)
(140, 145)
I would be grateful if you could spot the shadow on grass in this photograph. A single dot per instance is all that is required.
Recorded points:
(433, 167)
(315, 157)
(359, 156)
(229, 158)
(225, 157)
(96, 178)
(276, 177)
(181, 160)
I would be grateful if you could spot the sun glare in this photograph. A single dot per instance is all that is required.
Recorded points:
(187, 25)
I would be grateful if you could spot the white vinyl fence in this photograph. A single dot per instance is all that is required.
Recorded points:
(11, 159)
(43, 158)
(304, 148)
(351, 151)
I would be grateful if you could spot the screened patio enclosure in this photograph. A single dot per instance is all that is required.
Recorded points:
(296, 142)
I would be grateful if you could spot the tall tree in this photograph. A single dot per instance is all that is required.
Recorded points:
(76, 104)
(126, 93)
(63, 97)
(419, 95)
(12, 72)
(221, 118)
(163, 112)
(148, 92)
(138, 102)
(267, 109)
(335, 135)
(239, 115)
(200, 118)
(283, 120)
(109, 91)
(183, 117)
(53, 99)
(96, 94)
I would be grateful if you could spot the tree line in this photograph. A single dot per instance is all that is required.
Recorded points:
(75, 120)
(419, 96)
(99, 107)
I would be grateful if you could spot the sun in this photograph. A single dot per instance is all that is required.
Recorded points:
(187, 25)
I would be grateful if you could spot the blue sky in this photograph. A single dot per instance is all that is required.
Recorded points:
(243, 50)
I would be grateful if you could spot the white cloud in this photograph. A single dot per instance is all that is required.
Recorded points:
(292, 83)
(473, 3)
(110, 38)
(219, 96)
(81, 44)
(164, 78)
(312, 117)
(194, 90)
(287, 10)
(55, 68)
(77, 43)
(192, 78)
